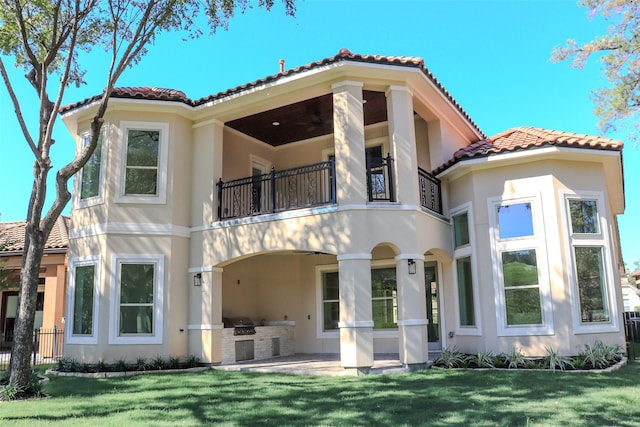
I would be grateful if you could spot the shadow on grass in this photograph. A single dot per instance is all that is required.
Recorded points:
(434, 397)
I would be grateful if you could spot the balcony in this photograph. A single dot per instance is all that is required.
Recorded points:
(311, 186)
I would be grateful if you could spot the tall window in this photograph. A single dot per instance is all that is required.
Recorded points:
(384, 296)
(463, 269)
(137, 304)
(90, 184)
(519, 260)
(141, 174)
(83, 300)
(588, 247)
(330, 301)
(143, 161)
(83, 280)
(384, 299)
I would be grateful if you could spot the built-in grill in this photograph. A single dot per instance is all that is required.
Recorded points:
(240, 325)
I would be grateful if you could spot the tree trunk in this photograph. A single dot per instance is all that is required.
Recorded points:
(34, 242)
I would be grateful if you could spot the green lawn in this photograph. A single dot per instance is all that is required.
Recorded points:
(434, 397)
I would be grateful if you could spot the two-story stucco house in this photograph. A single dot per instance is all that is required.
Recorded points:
(347, 206)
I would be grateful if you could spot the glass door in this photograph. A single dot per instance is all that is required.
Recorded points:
(433, 306)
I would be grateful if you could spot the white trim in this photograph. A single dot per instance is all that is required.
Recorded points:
(71, 286)
(347, 83)
(98, 199)
(459, 253)
(206, 123)
(137, 229)
(401, 257)
(163, 156)
(413, 322)
(536, 242)
(354, 256)
(158, 294)
(205, 270)
(398, 88)
(259, 163)
(204, 327)
(320, 332)
(297, 213)
(601, 240)
(356, 324)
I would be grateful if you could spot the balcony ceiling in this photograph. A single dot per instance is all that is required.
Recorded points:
(305, 119)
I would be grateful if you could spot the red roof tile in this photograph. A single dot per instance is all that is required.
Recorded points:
(12, 234)
(343, 55)
(523, 138)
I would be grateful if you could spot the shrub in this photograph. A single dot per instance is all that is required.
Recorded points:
(515, 359)
(158, 363)
(120, 365)
(485, 359)
(140, 364)
(174, 363)
(451, 358)
(192, 361)
(599, 355)
(554, 360)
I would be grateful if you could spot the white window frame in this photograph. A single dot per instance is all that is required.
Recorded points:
(332, 268)
(78, 201)
(536, 242)
(163, 148)
(71, 287)
(158, 292)
(464, 252)
(601, 240)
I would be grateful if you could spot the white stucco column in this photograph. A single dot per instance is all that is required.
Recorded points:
(205, 333)
(348, 128)
(402, 140)
(206, 170)
(412, 312)
(356, 318)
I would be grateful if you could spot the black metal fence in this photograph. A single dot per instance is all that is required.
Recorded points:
(632, 333)
(380, 179)
(48, 346)
(430, 191)
(277, 191)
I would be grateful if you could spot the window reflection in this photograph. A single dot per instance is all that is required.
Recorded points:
(515, 220)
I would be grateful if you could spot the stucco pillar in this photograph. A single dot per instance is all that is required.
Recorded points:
(356, 318)
(205, 337)
(348, 128)
(206, 169)
(402, 140)
(412, 312)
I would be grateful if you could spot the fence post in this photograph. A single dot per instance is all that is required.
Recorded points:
(36, 340)
(220, 199)
(392, 197)
(54, 350)
(272, 199)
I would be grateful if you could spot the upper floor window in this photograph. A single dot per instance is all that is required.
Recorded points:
(515, 220)
(144, 163)
(90, 190)
(461, 229)
(584, 216)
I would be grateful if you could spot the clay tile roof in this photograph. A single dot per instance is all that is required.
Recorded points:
(343, 55)
(12, 234)
(142, 92)
(524, 138)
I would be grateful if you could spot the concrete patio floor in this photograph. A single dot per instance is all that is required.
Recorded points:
(316, 364)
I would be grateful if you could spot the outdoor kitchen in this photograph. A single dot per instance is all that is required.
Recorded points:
(242, 339)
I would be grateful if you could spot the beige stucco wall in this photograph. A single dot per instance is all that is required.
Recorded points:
(545, 180)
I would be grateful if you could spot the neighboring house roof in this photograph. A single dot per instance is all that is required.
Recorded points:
(158, 94)
(13, 234)
(523, 138)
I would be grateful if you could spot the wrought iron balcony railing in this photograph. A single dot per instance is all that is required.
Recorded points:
(277, 191)
(430, 191)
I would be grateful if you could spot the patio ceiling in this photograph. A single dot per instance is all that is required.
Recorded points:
(305, 119)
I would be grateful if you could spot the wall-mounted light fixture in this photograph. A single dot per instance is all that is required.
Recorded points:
(197, 279)
(412, 266)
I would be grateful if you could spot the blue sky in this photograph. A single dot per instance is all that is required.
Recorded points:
(492, 56)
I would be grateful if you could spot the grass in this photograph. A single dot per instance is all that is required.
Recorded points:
(434, 397)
